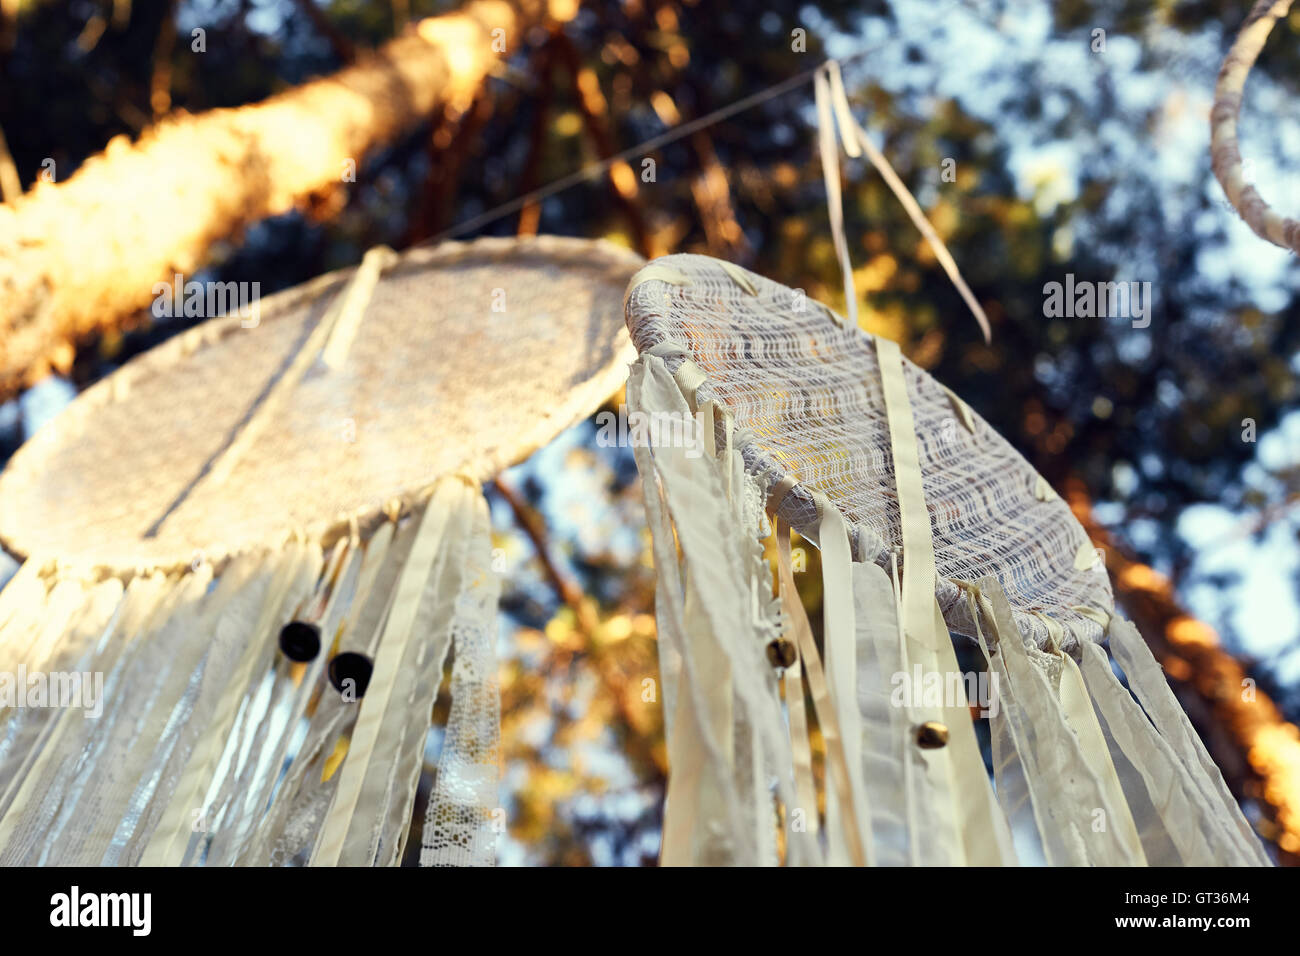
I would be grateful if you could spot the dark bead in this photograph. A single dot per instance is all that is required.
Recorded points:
(354, 667)
(931, 735)
(300, 640)
(781, 653)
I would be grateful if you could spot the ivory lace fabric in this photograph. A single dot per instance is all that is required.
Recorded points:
(213, 749)
(804, 388)
(463, 817)
(468, 358)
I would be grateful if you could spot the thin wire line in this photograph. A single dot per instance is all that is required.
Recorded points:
(593, 170)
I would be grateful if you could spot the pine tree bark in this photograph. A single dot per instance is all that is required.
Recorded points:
(80, 256)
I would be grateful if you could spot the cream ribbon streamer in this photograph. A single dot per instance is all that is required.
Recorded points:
(837, 770)
(839, 634)
(1077, 703)
(834, 201)
(392, 646)
(1149, 686)
(170, 838)
(715, 640)
(984, 833)
(856, 143)
(1177, 833)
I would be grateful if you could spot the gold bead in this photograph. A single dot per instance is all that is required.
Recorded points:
(781, 653)
(931, 735)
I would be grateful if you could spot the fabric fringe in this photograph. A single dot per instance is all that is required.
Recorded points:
(1237, 842)
(897, 789)
(1084, 772)
(463, 819)
(1090, 766)
(712, 636)
(213, 748)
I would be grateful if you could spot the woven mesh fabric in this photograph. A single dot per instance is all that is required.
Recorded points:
(804, 390)
(470, 357)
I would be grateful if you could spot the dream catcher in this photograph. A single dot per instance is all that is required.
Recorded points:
(259, 545)
(928, 522)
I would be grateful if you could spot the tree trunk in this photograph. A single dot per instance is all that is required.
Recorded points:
(1253, 744)
(79, 256)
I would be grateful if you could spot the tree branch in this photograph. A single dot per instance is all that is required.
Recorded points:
(595, 114)
(640, 747)
(79, 256)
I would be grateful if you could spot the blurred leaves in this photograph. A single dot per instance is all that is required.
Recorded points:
(1115, 187)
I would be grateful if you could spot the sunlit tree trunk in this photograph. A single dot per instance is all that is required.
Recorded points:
(78, 256)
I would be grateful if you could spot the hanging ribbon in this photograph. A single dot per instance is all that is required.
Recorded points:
(840, 640)
(986, 839)
(828, 89)
(415, 579)
(834, 202)
(837, 770)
